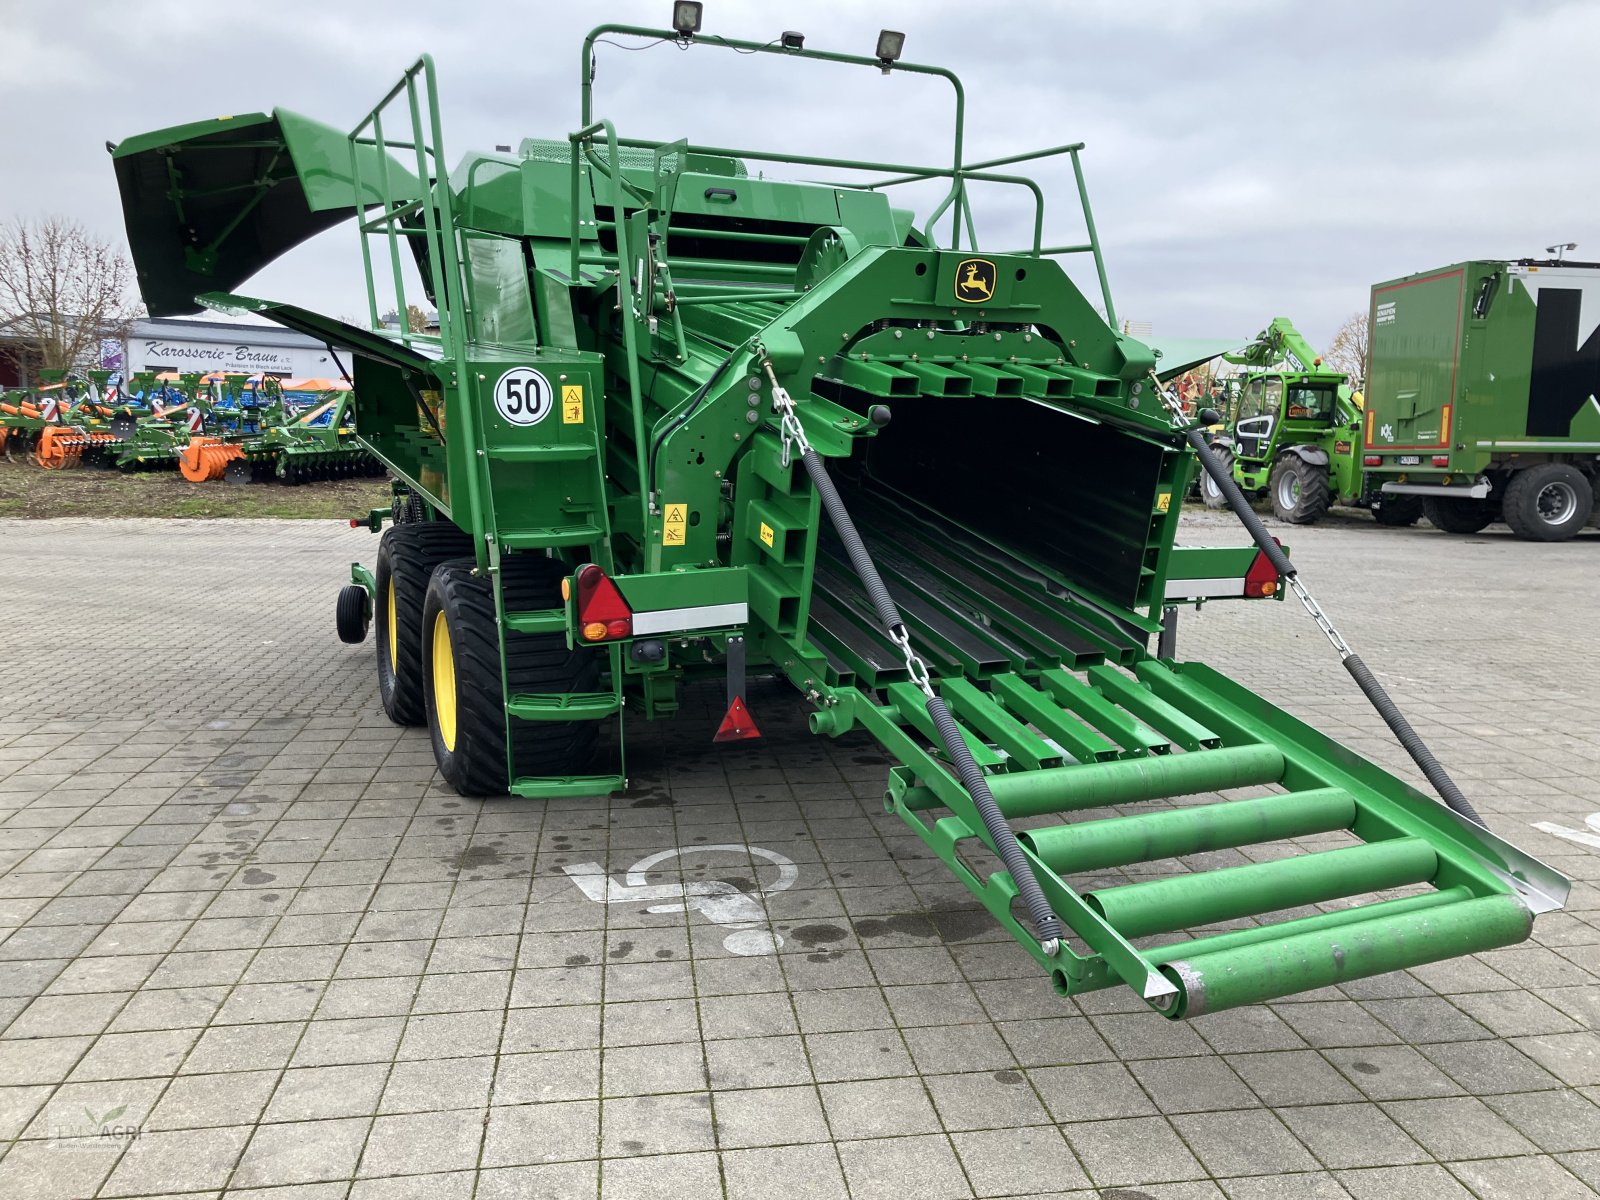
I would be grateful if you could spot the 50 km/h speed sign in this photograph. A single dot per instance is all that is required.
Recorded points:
(523, 396)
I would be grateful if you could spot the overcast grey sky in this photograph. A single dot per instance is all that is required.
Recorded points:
(1246, 158)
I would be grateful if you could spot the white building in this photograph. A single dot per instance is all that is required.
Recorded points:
(203, 346)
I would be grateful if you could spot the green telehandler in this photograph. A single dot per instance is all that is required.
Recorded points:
(1292, 430)
(684, 418)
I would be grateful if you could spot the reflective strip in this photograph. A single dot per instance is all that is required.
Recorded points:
(706, 616)
(1199, 589)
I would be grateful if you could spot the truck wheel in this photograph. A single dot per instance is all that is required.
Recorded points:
(461, 681)
(1548, 503)
(407, 556)
(350, 615)
(1210, 493)
(1397, 509)
(1299, 490)
(462, 686)
(1457, 514)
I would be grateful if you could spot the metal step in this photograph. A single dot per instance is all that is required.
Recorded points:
(575, 706)
(562, 535)
(554, 787)
(570, 452)
(550, 620)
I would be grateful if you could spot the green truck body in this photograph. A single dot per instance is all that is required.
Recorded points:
(1481, 394)
(658, 365)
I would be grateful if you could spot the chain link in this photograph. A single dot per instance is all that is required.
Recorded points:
(916, 668)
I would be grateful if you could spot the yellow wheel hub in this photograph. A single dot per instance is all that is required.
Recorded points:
(394, 635)
(444, 682)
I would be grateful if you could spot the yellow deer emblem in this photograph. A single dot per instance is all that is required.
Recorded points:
(975, 280)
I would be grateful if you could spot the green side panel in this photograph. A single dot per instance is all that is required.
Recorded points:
(497, 291)
(207, 205)
(1416, 337)
(685, 589)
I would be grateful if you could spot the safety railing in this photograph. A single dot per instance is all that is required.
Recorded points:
(959, 173)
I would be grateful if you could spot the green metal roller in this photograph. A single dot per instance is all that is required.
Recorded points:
(1323, 921)
(1162, 905)
(1146, 837)
(1127, 781)
(1227, 979)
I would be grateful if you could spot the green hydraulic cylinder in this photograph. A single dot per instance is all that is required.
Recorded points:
(1304, 962)
(1138, 909)
(1130, 780)
(1146, 837)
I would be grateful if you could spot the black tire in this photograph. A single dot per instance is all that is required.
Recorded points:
(1396, 509)
(1457, 514)
(469, 745)
(1210, 493)
(407, 556)
(350, 614)
(1548, 503)
(1299, 490)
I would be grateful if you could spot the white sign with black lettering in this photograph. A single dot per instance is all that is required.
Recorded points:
(523, 396)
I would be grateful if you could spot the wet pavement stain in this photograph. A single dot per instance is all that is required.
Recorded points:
(621, 950)
(1367, 1068)
(578, 960)
(254, 875)
(472, 858)
(1012, 1077)
(817, 935)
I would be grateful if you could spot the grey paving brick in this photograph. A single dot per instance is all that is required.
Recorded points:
(1505, 1178)
(542, 1133)
(1552, 1120)
(1458, 1127)
(1428, 1182)
(803, 1172)
(319, 1093)
(200, 1101)
(446, 1083)
(181, 1160)
(416, 1143)
(1352, 1135)
(1141, 1150)
(301, 1152)
(1242, 1143)
(890, 1168)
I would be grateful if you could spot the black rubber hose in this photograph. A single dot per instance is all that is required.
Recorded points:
(888, 611)
(1045, 922)
(1223, 478)
(1365, 680)
(1409, 738)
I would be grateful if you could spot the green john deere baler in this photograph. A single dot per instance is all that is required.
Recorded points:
(681, 419)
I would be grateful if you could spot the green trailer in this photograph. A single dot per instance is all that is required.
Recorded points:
(1481, 395)
(685, 418)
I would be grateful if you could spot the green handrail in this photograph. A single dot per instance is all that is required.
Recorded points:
(584, 137)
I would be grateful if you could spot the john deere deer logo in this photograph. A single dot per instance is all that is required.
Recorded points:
(974, 280)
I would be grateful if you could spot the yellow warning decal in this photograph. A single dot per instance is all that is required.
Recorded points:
(572, 404)
(677, 525)
(1163, 501)
(767, 535)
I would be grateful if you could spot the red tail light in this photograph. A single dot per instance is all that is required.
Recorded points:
(603, 615)
(1372, 460)
(1262, 578)
(1441, 460)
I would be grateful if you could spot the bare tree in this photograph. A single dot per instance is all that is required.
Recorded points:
(63, 290)
(1348, 350)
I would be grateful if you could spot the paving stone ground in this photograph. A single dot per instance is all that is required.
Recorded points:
(249, 946)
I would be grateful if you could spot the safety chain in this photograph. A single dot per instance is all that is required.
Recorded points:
(789, 426)
(1180, 419)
